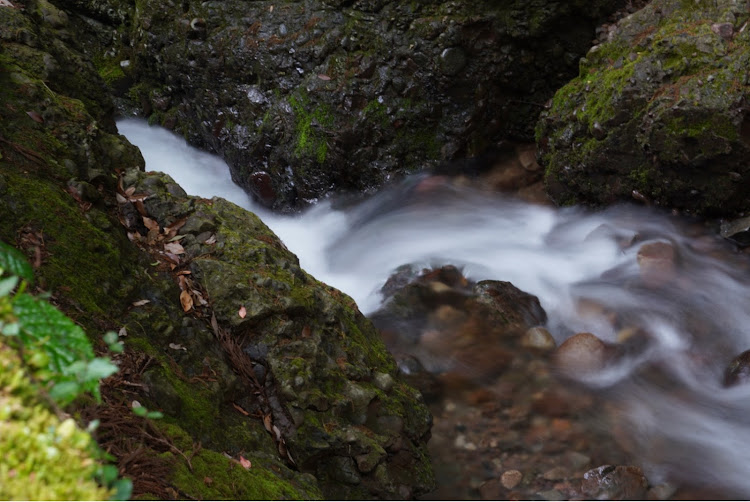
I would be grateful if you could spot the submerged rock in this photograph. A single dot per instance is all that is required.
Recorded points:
(657, 113)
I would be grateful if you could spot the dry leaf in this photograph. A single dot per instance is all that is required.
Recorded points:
(176, 238)
(323, 77)
(35, 117)
(267, 423)
(172, 257)
(140, 303)
(211, 240)
(177, 346)
(183, 282)
(184, 272)
(174, 248)
(120, 199)
(243, 312)
(306, 331)
(173, 227)
(277, 432)
(150, 224)
(130, 191)
(239, 408)
(245, 462)
(135, 404)
(198, 297)
(123, 332)
(186, 300)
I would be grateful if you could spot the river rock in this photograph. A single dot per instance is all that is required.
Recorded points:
(581, 354)
(738, 371)
(329, 96)
(657, 263)
(657, 113)
(609, 482)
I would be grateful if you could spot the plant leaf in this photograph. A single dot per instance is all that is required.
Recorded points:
(100, 368)
(14, 262)
(186, 300)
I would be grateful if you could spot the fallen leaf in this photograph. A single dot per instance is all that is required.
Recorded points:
(267, 423)
(239, 408)
(173, 227)
(177, 346)
(277, 432)
(176, 238)
(245, 462)
(35, 117)
(270, 9)
(123, 332)
(184, 272)
(130, 191)
(243, 312)
(140, 303)
(323, 77)
(135, 404)
(306, 331)
(150, 224)
(174, 248)
(198, 297)
(186, 300)
(173, 258)
(211, 240)
(120, 199)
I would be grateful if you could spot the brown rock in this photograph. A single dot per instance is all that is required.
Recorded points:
(608, 482)
(511, 479)
(657, 263)
(538, 338)
(581, 354)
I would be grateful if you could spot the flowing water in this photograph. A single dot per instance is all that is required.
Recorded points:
(683, 421)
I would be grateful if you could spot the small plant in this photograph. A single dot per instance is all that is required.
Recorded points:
(46, 353)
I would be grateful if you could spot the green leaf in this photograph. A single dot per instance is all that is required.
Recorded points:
(43, 326)
(65, 392)
(123, 489)
(110, 337)
(100, 368)
(11, 329)
(7, 285)
(14, 262)
(154, 415)
(141, 411)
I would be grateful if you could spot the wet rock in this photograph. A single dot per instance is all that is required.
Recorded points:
(657, 263)
(580, 355)
(738, 371)
(668, 98)
(737, 231)
(538, 338)
(609, 482)
(351, 95)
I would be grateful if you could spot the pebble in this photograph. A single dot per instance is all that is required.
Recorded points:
(511, 479)
(538, 338)
(608, 482)
(580, 354)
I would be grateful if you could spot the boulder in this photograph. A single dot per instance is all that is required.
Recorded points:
(657, 113)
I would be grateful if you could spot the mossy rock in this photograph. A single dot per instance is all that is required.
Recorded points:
(657, 113)
(319, 360)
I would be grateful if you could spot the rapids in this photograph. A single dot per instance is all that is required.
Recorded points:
(686, 424)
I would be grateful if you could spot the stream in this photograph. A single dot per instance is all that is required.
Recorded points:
(685, 423)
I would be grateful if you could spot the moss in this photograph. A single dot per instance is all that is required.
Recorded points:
(215, 477)
(311, 127)
(44, 457)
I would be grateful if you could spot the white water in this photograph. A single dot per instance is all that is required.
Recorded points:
(686, 424)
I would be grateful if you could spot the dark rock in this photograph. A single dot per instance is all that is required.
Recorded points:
(738, 371)
(332, 96)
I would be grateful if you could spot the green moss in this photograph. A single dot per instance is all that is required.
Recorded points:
(44, 457)
(311, 127)
(109, 69)
(215, 477)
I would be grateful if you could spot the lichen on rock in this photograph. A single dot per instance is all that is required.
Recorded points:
(657, 112)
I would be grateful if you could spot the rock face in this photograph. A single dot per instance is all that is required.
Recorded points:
(306, 98)
(658, 112)
(272, 385)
